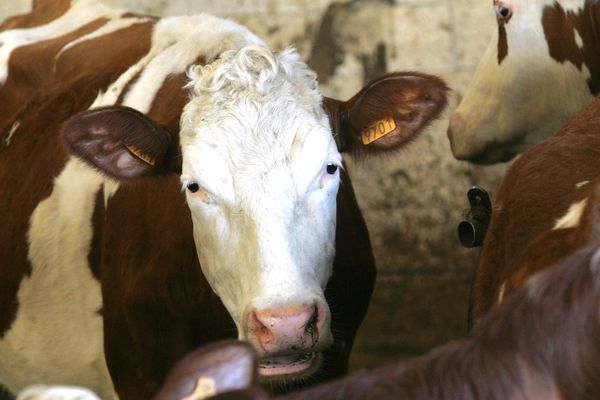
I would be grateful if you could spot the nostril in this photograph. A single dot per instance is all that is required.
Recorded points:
(259, 329)
(311, 326)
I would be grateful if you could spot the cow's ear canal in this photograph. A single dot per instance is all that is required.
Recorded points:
(121, 142)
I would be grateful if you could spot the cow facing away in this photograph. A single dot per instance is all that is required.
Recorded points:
(103, 255)
(545, 208)
(540, 343)
(541, 67)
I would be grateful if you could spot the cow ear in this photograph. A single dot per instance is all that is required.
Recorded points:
(121, 142)
(221, 367)
(387, 113)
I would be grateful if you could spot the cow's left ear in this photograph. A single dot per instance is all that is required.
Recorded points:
(387, 113)
(121, 142)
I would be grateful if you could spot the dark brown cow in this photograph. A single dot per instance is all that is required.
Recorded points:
(102, 255)
(540, 343)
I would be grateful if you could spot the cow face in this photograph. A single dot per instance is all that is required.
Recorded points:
(261, 172)
(260, 169)
(532, 77)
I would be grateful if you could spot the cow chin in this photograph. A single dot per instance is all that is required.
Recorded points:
(276, 370)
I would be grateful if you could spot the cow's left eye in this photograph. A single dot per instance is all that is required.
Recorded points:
(193, 187)
(331, 168)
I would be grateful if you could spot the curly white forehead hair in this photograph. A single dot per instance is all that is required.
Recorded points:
(255, 71)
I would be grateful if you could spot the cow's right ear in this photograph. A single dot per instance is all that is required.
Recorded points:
(387, 113)
(121, 142)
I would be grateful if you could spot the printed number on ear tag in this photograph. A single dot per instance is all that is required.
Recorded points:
(378, 130)
(205, 387)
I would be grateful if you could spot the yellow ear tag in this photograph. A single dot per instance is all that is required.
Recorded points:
(205, 387)
(378, 130)
(139, 154)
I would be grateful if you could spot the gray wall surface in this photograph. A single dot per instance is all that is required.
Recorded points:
(412, 200)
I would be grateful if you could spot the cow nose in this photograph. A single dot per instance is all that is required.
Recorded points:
(287, 329)
(461, 142)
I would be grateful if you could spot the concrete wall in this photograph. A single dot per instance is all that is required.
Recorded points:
(412, 200)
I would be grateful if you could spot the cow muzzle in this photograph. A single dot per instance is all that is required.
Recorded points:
(289, 338)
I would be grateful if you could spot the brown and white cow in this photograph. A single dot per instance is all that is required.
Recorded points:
(104, 255)
(541, 67)
(546, 207)
(540, 343)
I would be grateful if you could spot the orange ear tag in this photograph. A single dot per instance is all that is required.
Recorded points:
(139, 154)
(205, 387)
(378, 130)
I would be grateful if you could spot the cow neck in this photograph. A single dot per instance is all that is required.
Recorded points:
(574, 36)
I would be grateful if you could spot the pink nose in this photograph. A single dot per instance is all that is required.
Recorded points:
(287, 329)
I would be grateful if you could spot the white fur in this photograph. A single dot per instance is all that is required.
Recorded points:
(57, 334)
(501, 292)
(524, 99)
(183, 40)
(12, 131)
(56, 393)
(255, 138)
(113, 25)
(572, 217)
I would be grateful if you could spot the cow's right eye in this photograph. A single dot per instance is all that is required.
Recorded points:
(193, 187)
(503, 13)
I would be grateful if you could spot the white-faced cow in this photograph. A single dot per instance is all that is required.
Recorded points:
(541, 67)
(104, 116)
(541, 343)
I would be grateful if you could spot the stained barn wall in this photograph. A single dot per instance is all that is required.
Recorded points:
(412, 200)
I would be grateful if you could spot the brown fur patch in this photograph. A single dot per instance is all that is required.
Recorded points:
(536, 191)
(502, 43)
(43, 12)
(560, 28)
(542, 346)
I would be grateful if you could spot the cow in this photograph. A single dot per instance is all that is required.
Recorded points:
(546, 207)
(541, 67)
(171, 182)
(540, 343)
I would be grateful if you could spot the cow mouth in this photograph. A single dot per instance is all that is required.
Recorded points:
(285, 366)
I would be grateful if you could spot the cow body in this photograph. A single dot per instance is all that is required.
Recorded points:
(100, 249)
(539, 69)
(546, 208)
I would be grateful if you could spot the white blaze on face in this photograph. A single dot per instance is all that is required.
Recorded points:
(257, 143)
(514, 104)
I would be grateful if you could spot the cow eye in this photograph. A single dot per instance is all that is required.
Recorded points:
(503, 13)
(331, 168)
(193, 187)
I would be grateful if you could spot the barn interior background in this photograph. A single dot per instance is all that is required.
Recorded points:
(412, 200)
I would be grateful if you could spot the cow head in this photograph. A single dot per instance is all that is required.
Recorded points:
(534, 74)
(261, 169)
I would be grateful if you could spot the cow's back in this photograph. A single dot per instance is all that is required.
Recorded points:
(545, 208)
